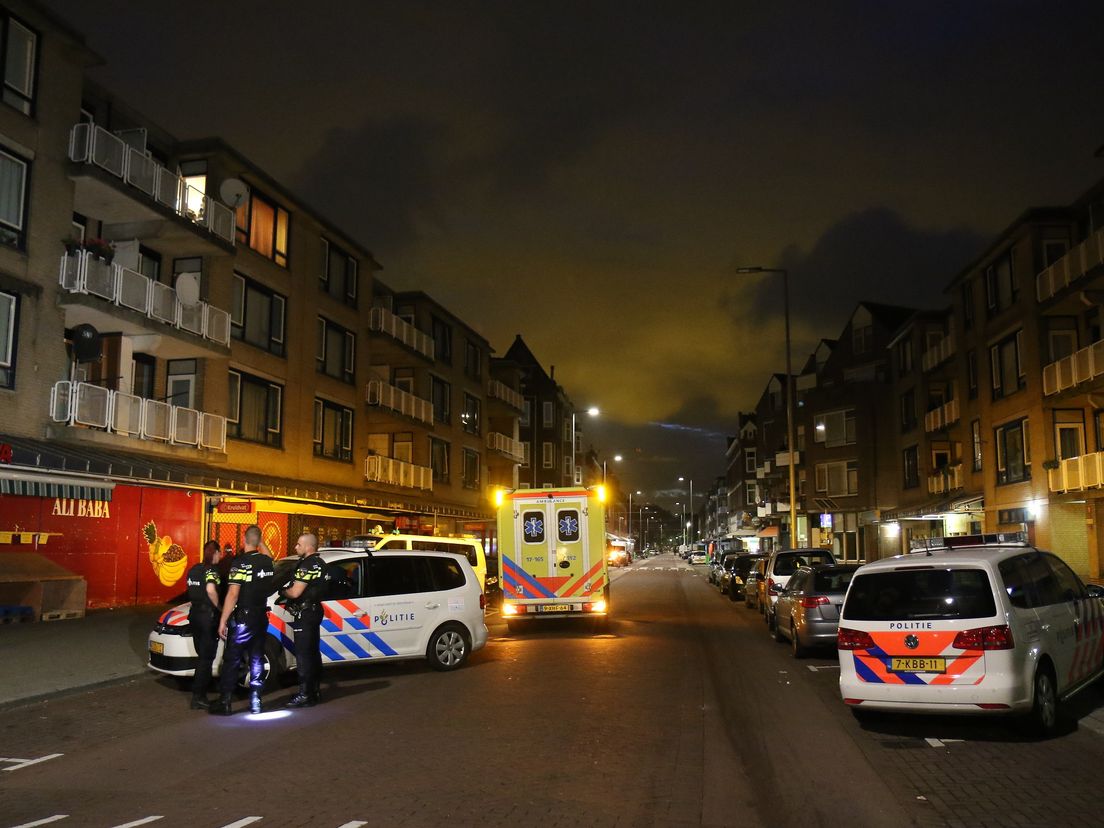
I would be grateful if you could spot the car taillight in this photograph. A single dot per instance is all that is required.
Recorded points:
(853, 639)
(813, 601)
(482, 601)
(772, 587)
(985, 638)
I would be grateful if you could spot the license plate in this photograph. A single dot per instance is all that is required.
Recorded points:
(157, 647)
(918, 665)
(555, 608)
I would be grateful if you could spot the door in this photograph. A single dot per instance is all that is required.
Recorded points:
(552, 533)
(402, 601)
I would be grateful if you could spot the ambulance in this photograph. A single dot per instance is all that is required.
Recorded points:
(552, 554)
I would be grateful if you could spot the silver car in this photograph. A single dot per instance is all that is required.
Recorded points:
(808, 608)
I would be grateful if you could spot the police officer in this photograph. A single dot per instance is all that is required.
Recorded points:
(305, 594)
(203, 585)
(244, 621)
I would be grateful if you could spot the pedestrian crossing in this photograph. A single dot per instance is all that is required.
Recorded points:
(239, 823)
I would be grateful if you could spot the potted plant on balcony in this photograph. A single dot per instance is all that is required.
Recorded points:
(1050, 464)
(101, 248)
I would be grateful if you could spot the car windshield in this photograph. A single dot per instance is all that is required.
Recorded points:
(788, 564)
(832, 580)
(905, 594)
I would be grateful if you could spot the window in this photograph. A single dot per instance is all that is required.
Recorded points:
(1000, 284)
(14, 172)
(20, 57)
(194, 174)
(469, 418)
(180, 382)
(471, 469)
(911, 464)
(546, 459)
(921, 593)
(257, 315)
(439, 460)
(567, 525)
(547, 419)
(752, 493)
(1053, 250)
(447, 574)
(526, 413)
(397, 575)
(263, 226)
(149, 263)
(836, 428)
(904, 356)
(975, 441)
(967, 305)
(749, 460)
(532, 524)
(473, 363)
(9, 324)
(143, 369)
(908, 410)
(1005, 366)
(442, 341)
(1069, 433)
(838, 479)
(333, 431)
(862, 339)
(440, 392)
(971, 374)
(1013, 452)
(336, 351)
(525, 451)
(338, 274)
(256, 409)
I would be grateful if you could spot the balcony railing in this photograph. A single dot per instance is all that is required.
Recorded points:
(90, 144)
(948, 480)
(1067, 372)
(96, 407)
(382, 320)
(402, 402)
(499, 390)
(514, 449)
(938, 354)
(1080, 259)
(380, 469)
(941, 417)
(83, 272)
(1075, 474)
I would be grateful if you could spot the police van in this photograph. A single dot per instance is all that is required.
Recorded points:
(981, 624)
(552, 554)
(401, 605)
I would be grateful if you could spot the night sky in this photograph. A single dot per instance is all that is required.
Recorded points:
(591, 174)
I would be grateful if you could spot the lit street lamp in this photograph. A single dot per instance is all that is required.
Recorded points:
(691, 532)
(789, 394)
(593, 412)
(630, 514)
(616, 459)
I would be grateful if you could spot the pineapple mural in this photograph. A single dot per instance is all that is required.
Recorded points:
(169, 559)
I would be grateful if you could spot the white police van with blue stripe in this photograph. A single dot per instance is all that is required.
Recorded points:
(402, 605)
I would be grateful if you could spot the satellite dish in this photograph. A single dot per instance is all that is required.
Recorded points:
(233, 191)
(87, 344)
(187, 288)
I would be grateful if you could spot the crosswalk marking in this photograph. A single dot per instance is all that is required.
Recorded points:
(16, 764)
(354, 824)
(46, 821)
(136, 822)
(241, 822)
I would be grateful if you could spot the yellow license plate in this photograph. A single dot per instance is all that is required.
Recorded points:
(157, 647)
(918, 665)
(555, 608)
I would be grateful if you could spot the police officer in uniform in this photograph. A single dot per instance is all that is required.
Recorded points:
(305, 595)
(203, 585)
(244, 622)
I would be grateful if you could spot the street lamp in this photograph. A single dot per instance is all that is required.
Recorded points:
(789, 394)
(681, 479)
(630, 514)
(616, 459)
(593, 412)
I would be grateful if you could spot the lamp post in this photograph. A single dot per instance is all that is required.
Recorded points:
(630, 514)
(616, 459)
(789, 394)
(691, 523)
(592, 412)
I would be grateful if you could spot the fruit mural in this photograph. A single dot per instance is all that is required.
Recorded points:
(169, 559)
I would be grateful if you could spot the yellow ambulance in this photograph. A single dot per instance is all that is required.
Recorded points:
(552, 554)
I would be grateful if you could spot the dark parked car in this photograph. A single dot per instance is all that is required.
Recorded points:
(734, 574)
(808, 609)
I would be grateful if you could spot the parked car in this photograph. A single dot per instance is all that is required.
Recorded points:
(756, 576)
(780, 567)
(807, 610)
(983, 624)
(698, 557)
(716, 566)
(735, 574)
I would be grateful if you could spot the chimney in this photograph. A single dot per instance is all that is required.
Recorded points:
(551, 371)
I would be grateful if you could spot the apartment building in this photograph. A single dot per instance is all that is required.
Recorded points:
(188, 348)
(741, 490)
(772, 472)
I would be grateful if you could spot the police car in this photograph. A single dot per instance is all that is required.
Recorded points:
(413, 604)
(971, 624)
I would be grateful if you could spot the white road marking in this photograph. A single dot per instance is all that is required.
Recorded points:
(817, 668)
(140, 822)
(939, 743)
(241, 822)
(23, 763)
(46, 821)
(354, 824)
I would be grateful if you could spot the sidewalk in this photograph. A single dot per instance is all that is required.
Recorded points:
(39, 659)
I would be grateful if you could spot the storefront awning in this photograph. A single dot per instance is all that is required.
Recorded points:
(768, 532)
(921, 511)
(35, 484)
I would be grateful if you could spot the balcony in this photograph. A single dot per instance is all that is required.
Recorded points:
(938, 354)
(380, 469)
(1083, 366)
(87, 274)
(383, 321)
(394, 399)
(497, 390)
(508, 446)
(1075, 474)
(153, 191)
(763, 470)
(939, 418)
(1079, 261)
(782, 459)
(95, 407)
(948, 480)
